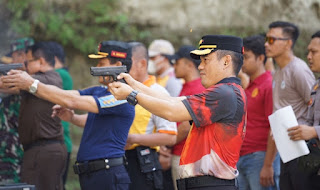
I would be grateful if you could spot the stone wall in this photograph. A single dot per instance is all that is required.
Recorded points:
(183, 15)
(180, 17)
(185, 21)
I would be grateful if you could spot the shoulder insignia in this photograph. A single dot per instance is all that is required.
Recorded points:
(110, 101)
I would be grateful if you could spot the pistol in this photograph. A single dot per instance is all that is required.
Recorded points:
(5, 68)
(113, 72)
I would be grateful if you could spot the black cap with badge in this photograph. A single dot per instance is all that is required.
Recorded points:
(211, 43)
(184, 52)
(114, 49)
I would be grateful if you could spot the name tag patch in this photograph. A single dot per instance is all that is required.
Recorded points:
(110, 101)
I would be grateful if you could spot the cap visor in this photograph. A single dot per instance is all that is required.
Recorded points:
(153, 53)
(6, 59)
(174, 57)
(195, 54)
(93, 56)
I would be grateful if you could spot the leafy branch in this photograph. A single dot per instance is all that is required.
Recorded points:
(81, 24)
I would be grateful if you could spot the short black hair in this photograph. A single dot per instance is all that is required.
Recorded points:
(42, 49)
(289, 29)
(316, 35)
(57, 50)
(237, 59)
(255, 44)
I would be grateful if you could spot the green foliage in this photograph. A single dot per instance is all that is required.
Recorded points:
(81, 25)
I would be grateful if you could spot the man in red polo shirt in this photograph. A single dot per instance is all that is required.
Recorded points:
(212, 148)
(258, 168)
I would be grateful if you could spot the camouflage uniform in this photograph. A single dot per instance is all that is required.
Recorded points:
(11, 152)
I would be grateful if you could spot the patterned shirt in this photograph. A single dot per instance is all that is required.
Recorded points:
(189, 88)
(214, 142)
(11, 152)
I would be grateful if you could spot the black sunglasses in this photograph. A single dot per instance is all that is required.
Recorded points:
(271, 40)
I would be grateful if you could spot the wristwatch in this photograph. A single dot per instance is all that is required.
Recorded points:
(131, 98)
(34, 87)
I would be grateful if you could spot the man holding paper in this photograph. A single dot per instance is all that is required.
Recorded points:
(305, 132)
(311, 131)
(291, 85)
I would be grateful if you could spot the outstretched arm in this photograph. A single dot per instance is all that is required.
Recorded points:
(7, 90)
(136, 85)
(154, 139)
(66, 98)
(168, 108)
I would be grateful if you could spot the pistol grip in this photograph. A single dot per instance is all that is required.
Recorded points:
(123, 81)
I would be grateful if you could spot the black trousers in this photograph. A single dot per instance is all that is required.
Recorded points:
(215, 188)
(114, 178)
(139, 180)
(167, 180)
(206, 183)
(293, 178)
(65, 175)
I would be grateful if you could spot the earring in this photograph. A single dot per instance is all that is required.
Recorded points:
(225, 63)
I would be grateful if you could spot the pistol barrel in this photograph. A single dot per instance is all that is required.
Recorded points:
(108, 71)
(4, 68)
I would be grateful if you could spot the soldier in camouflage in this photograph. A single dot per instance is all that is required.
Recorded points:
(10, 148)
(11, 151)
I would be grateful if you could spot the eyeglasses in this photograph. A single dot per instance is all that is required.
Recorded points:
(29, 61)
(32, 60)
(271, 40)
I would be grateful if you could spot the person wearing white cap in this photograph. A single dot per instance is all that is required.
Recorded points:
(160, 53)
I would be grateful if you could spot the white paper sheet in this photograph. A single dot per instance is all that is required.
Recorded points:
(280, 121)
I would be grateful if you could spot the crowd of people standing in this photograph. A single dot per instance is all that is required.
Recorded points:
(195, 118)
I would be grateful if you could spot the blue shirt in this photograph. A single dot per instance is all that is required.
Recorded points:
(105, 133)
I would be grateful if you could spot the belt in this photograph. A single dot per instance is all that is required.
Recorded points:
(95, 165)
(41, 143)
(203, 181)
